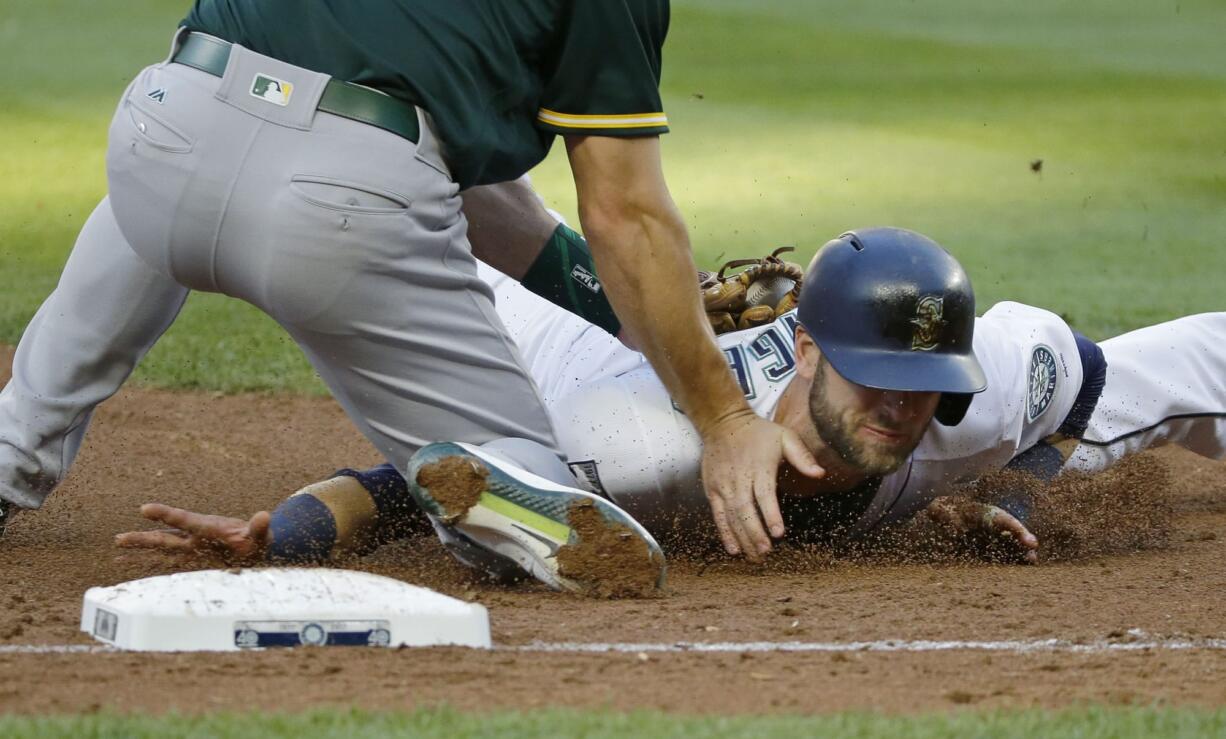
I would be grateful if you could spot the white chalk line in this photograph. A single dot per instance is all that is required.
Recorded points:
(887, 645)
(1134, 641)
(54, 649)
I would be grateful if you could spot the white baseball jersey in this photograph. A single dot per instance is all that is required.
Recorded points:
(1166, 384)
(625, 438)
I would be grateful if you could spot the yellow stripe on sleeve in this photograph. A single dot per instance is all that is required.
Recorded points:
(631, 120)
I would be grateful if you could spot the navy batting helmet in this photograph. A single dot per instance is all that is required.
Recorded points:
(890, 309)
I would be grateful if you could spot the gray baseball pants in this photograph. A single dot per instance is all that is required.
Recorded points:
(349, 236)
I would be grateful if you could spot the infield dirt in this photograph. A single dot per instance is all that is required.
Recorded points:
(1152, 557)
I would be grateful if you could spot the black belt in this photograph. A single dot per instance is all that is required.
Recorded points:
(344, 99)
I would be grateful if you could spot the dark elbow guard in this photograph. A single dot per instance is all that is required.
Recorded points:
(303, 530)
(330, 518)
(350, 513)
(1093, 380)
(398, 514)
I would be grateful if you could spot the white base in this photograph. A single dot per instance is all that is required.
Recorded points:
(228, 610)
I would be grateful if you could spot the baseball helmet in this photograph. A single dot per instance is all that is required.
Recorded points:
(890, 309)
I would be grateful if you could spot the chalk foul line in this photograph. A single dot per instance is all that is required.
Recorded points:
(54, 648)
(887, 645)
(1134, 640)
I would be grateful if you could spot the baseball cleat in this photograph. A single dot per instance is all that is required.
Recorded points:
(497, 517)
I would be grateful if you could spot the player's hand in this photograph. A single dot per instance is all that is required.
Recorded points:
(233, 539)
(740, 465)
(993, 531)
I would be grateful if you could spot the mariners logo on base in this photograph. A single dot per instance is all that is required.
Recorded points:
(928, 322)
(271, 89)
(1042, 381)
(263, 634)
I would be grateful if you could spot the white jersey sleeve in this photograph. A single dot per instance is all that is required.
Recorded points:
(1034, 375)
(561, 351)
(625, 438)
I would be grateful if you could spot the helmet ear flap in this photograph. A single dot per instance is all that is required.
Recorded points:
(952, 408)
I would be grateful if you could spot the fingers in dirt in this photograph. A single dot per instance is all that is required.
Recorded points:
(1006, 522)
(736, 519)
(164, 514)
(258, 528)
(154, 540)
(766, 495)
(720, 515)
(200, 524)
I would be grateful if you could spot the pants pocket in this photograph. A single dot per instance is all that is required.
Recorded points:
(155, 130)
(346, 196)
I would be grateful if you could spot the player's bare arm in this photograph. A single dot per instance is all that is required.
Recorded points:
(511, 230)
(642, 252)
(350, 513)
(232, 539)
(508, 226)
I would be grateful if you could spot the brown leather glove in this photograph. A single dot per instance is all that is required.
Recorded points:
(761, 292)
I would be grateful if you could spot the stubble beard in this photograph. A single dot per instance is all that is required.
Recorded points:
(838, 431)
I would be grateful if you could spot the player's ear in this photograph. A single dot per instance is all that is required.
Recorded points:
(807, 354)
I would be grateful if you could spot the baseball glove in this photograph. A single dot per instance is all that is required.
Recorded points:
(761, 292)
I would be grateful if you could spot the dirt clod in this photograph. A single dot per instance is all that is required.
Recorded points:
(455, 483)
(609, 559)
(960, 697)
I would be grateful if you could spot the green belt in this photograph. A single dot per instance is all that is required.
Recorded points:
(344, 99)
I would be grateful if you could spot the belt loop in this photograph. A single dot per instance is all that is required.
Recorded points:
(180, 34)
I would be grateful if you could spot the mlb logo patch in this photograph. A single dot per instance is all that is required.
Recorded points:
(271, 89)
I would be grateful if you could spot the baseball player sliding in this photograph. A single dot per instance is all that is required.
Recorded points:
(883, 343)
(308, 159)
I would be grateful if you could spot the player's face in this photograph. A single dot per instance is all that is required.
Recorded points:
(873, 430)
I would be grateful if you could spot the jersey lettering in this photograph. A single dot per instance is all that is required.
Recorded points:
(740, 367)
(790, 323)
(771, 345)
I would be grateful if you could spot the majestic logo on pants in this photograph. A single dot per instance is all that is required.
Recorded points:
(928, 322)
(1042, 381)
(272, 89)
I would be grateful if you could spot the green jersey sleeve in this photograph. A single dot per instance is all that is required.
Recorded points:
(605, 78)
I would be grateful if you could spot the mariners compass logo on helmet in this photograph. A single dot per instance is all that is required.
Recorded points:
(928, 323)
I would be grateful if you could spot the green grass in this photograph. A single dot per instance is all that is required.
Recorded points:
(1093, 723)
(793, 120)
